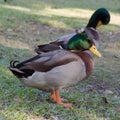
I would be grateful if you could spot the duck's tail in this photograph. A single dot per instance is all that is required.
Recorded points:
(16, 71)
(12, 63)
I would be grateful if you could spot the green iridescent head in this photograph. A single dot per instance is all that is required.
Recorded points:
(100, 17)
(82, 42)
(79, 42)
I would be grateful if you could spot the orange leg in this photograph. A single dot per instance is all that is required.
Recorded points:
(59, 101)
(53, 97)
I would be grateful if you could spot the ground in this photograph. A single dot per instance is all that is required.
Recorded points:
(25, 24)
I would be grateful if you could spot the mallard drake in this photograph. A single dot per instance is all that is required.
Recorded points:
(54, 70)
(100, 17)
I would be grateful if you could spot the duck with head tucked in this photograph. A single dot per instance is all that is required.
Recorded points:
(54, 70)
(100, 17)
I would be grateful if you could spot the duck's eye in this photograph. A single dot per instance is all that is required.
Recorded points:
(106, 20)
(90, 42)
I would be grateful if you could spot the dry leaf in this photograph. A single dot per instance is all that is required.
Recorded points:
(20, 100)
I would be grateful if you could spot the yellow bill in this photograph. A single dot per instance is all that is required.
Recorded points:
(94, 50)
(99, 23)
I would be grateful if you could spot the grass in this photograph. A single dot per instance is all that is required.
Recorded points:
(25, 23)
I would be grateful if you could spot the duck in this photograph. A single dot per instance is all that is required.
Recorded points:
(54, 70)
(100, 17)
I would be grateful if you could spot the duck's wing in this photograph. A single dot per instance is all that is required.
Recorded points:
(49, 60)
(42, 63)
(64, 39)
(47, 47)
(58, 43)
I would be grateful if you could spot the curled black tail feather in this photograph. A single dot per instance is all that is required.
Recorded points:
(19, 69)
(12, 63)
